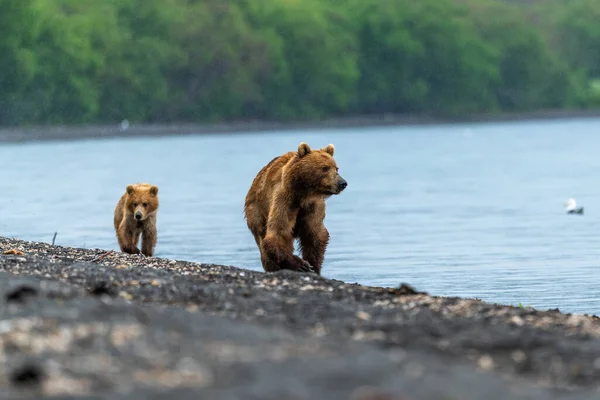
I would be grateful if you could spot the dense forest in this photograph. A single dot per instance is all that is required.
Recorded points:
(73, 61)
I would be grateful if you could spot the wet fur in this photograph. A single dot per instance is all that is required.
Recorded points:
(286, 201)
(129, 229)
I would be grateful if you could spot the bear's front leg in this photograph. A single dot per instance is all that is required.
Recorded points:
(130, 250)
(134, 241)
(302, 265)
(148, 241)
(127, 239)
(313, 244)
(278, 244)
(130, 246)
(277, 254)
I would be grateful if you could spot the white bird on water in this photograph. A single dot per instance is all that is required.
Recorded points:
(572, 208)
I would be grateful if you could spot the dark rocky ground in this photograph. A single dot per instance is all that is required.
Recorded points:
(93, 324)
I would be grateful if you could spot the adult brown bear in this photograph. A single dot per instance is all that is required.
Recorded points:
(287, 201)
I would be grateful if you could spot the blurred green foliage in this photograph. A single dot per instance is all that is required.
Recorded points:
(73, 61)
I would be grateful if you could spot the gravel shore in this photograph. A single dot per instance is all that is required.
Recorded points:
(86, 322)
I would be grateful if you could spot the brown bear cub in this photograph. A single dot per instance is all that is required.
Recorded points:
(135, 215)
(287, 201)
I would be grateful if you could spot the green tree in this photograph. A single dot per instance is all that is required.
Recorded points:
(61, 90)
(578, 29)
(224, 60)
(73, 61)
(422, 56)
(531, 75)
(312, 57)
(139, 47)
(18, 62)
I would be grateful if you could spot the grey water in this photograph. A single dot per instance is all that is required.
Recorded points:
(472, 210)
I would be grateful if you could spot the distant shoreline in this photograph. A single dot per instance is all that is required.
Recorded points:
(101, 131)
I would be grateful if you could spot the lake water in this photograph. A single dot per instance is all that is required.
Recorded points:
(471, 210)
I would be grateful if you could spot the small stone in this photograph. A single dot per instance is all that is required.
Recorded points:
(363, 315)
(371, 393)
(414, 370)
(319, 330)
(485, 362)
(397, 355)
(126, 296)
(444, 344)
(517, 320)
(518, 356)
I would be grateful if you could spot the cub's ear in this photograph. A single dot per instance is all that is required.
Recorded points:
(130, 189)
(153, 190)
(328, 149)
(303, 149)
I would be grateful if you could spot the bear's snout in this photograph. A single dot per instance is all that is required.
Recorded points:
(138, 215)
(342, 184)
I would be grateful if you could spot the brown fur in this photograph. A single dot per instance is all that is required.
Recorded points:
(287, 201)
(140, 199)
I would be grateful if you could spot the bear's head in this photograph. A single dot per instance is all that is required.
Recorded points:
(142, 200)
(316, 172)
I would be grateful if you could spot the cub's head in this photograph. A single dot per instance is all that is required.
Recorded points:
(317, 171)
(142, 200)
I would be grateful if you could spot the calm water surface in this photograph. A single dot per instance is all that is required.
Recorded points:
(470, 210)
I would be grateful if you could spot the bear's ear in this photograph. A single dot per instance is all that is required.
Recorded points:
(153, 190)
(328, 149)
(130, 189)
(303, 149)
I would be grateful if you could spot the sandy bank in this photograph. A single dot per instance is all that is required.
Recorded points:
(110, 325)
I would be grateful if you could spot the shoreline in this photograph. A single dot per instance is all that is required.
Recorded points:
(107, 324)
(102, 131)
